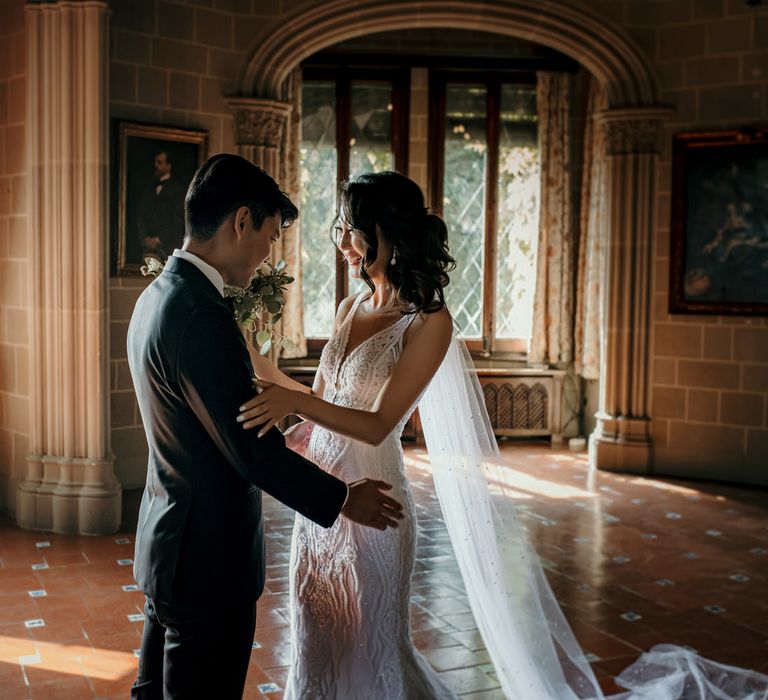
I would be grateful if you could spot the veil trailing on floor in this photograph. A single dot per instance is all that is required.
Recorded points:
(533, 649)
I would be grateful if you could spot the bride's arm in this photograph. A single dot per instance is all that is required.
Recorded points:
(267, 372)
(418, 363)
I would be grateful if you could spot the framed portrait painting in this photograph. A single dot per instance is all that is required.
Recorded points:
(154, 168)
(719, 227)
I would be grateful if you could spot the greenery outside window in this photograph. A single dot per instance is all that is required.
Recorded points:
(353, 121)
(484, 180)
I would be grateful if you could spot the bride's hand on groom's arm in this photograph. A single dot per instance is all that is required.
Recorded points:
(267, 372)
(366, 503)
(269, 406)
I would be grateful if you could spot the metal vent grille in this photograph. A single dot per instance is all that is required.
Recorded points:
(517, 408)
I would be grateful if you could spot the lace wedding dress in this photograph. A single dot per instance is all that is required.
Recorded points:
(350, 585)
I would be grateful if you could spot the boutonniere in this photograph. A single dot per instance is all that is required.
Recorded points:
(262, 300)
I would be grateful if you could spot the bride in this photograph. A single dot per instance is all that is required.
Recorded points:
(392, 348)
(350, 588)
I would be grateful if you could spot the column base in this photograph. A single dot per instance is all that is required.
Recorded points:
(621, 444)
(76, 496)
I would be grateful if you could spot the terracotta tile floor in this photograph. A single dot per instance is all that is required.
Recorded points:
(690, 560)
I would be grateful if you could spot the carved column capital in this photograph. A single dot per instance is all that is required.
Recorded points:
(260, 122)
(635, 130)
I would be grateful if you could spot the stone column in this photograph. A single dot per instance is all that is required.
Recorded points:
(70, 486)
(261, 130)
(622, 439)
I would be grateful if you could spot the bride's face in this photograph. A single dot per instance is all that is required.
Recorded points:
(353, 247)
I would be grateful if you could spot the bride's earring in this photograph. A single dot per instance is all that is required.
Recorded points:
(393, 260)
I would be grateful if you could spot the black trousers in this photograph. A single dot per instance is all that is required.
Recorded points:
(190, 657)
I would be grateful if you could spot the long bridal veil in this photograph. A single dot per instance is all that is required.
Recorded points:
(533, 649)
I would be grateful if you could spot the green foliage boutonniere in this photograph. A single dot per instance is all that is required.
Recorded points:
(262, 300)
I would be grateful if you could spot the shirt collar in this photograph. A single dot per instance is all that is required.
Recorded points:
(209, 271)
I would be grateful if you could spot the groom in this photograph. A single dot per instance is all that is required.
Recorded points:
(200, 540)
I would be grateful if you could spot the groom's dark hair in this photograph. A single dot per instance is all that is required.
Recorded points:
(223, 184)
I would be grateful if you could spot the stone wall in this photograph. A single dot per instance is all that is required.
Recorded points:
(709, 373)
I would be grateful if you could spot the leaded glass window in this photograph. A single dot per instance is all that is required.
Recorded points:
(485, 180)
(466, 150)
(350, 125)
(518, 213)
(318, 204)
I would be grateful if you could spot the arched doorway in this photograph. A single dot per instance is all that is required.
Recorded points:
(577, 32)
(633, 121)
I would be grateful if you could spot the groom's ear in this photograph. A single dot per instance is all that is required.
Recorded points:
(240, 222)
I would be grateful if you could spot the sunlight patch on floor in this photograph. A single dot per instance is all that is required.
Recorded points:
(510, 481)
(104, 664)
(507, 477)
(664, 486)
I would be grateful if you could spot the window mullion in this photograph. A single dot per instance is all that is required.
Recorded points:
(343, 135)
(493, 121)
(401, 86)
(436, 142)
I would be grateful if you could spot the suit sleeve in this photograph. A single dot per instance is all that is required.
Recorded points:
(214, 373)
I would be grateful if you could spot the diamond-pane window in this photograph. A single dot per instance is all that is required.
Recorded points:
(348, 127)
(485, 182)
(518, 213)
(370, 144)
(466, 150)
(318, 204)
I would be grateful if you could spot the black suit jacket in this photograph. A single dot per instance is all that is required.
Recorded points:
(200, 532)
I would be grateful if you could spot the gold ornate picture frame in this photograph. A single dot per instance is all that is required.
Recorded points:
(154, 168)
(719, 227)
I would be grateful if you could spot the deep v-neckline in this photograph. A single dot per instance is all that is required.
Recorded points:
(344, 354)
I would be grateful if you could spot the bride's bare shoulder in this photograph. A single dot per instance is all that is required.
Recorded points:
(345, 306)
(437, 326)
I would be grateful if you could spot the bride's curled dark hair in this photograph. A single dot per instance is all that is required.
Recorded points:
(421, 261)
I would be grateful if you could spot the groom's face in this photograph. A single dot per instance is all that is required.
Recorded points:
(266, 235)
(257, 243)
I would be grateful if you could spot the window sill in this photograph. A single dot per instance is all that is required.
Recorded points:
(495, 364)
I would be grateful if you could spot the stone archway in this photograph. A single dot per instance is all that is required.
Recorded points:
(633, 123)
(579, 33)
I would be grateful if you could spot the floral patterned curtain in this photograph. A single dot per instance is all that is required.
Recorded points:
(590, 271)
(289, 246)
(552, 337)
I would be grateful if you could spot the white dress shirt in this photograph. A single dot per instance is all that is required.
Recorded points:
(208, 270)
(161, 183)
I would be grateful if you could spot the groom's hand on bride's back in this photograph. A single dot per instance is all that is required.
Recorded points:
(367, 505)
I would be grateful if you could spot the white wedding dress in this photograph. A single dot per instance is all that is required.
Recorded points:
(350, 585)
